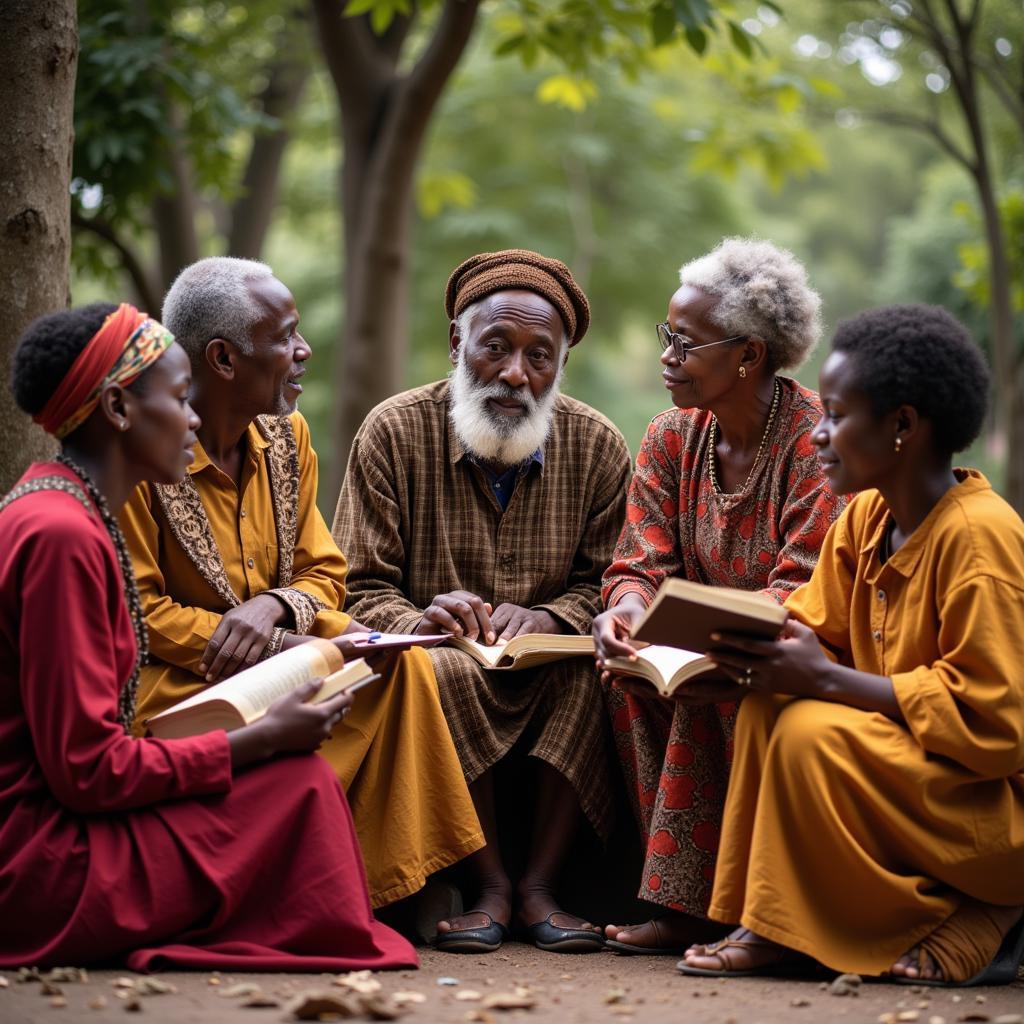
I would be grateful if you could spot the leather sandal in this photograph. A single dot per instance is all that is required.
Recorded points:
(636, 949)
(553, 939)
(786, 961)
(1002, 970)
(485, 939)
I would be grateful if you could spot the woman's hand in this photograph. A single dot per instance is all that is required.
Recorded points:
(290, 725)
(612, 629)
(793, 664)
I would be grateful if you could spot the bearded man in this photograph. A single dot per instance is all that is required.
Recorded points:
(236, 563)
(487, 505)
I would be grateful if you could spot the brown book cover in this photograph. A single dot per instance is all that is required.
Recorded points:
(685, 614)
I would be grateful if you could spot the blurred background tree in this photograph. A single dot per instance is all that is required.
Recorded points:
(591, 143)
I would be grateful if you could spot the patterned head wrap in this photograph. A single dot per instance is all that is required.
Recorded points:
(117, 353)
(489, 272)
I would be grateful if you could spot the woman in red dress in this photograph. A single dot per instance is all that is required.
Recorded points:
(727, 492)
(146, 851)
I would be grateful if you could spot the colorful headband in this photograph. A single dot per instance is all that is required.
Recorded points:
(126, 343)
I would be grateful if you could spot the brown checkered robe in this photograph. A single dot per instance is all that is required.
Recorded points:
(416, 518)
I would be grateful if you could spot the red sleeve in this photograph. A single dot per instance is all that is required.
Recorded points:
(648, 550)
(74, 635)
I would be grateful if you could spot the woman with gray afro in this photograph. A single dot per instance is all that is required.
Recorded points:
(727, 492)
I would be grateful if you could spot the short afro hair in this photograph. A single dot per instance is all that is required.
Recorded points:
(48, 348)
(924, 357)
(762, 290)
(211, 299)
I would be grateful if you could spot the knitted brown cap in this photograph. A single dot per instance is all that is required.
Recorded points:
(489, 272)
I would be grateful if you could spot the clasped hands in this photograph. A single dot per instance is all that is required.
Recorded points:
(464, 614)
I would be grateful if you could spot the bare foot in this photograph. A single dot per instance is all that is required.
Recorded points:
(672, 932)
(741, 951)
(919, 964)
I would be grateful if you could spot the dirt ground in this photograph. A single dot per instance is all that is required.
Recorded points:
(562, 988)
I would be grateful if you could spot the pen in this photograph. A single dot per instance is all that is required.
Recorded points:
(375, 635)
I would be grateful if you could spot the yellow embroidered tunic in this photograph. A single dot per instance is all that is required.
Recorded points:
(201, 547)
(849, 836)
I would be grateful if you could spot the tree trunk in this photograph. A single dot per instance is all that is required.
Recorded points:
(384, 118)
(38, 58)
(1014, 488)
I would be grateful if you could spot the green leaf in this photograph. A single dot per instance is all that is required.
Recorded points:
(698, 39)
(354, 8)
(571, 92)
(741, 39)
(510, 45)
(663, 24)
(685, 14)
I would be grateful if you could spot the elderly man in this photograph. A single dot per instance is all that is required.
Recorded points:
(236, 563)
(487, 505)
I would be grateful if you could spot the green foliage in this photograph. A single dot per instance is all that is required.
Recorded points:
(972, 276)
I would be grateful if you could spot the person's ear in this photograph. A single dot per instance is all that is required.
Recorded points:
(220, 358)
(454, 340)
(754, 354)
(115, 404)
(906, 425)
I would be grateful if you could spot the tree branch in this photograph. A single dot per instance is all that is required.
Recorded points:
(147, 293)
(432, 70)
(352, 59)
(928, 126)
(1004, 89)
(251, 213)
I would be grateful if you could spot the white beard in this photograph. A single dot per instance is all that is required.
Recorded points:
(492, 437)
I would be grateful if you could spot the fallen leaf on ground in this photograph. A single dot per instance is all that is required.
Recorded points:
(614, 995)
(480, 1017)
(317, 1005)
(245, 988)
(508, 1001)
(936, 1020)
(58, 1002)
(907, 1015)
(133, 1005)
(98, 1003)
(380, 1008)
(260, 1001)
(68, 975)
(800, 1001)
(468, 995)
(154, 987)
(123, 983)
(409, 997)
(359, 981)
(213, 981)
(28, 974)
(48, 989)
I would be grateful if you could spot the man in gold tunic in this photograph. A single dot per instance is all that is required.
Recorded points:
(236, 563)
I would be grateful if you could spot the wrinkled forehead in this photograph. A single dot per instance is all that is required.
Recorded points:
(522, 307)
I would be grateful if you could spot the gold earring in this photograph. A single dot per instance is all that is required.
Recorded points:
(897, 445)
(743, 371)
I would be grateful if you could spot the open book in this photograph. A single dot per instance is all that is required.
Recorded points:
(526, 650)
(685, 614)
(667, 668)
(245, 697)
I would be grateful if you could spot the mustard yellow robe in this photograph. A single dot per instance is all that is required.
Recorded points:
(201, 547)
(847, 835)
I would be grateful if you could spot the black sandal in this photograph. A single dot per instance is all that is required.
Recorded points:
(485, 939)
(552, 939)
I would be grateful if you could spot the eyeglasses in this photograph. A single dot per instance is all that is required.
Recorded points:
(681, 344)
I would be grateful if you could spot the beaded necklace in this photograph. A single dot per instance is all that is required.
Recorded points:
(713, 433)
(126, 701)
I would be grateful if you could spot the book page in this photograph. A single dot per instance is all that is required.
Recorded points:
(484, 653)
(255, 689)
(668, 660)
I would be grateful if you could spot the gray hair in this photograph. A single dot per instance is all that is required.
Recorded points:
(211, 299)
(463, 319)
(763, 290)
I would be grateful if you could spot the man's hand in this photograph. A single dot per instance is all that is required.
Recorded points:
(459, 613)
(241, 637)
(612, 629)
(512, 620)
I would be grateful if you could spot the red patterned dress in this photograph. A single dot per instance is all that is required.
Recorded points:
(765, 537)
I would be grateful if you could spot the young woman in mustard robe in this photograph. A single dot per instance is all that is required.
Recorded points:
(875, 815)
(151, 852)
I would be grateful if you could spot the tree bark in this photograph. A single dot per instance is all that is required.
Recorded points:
(384, 118)
(252, 212)
(38, 59)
